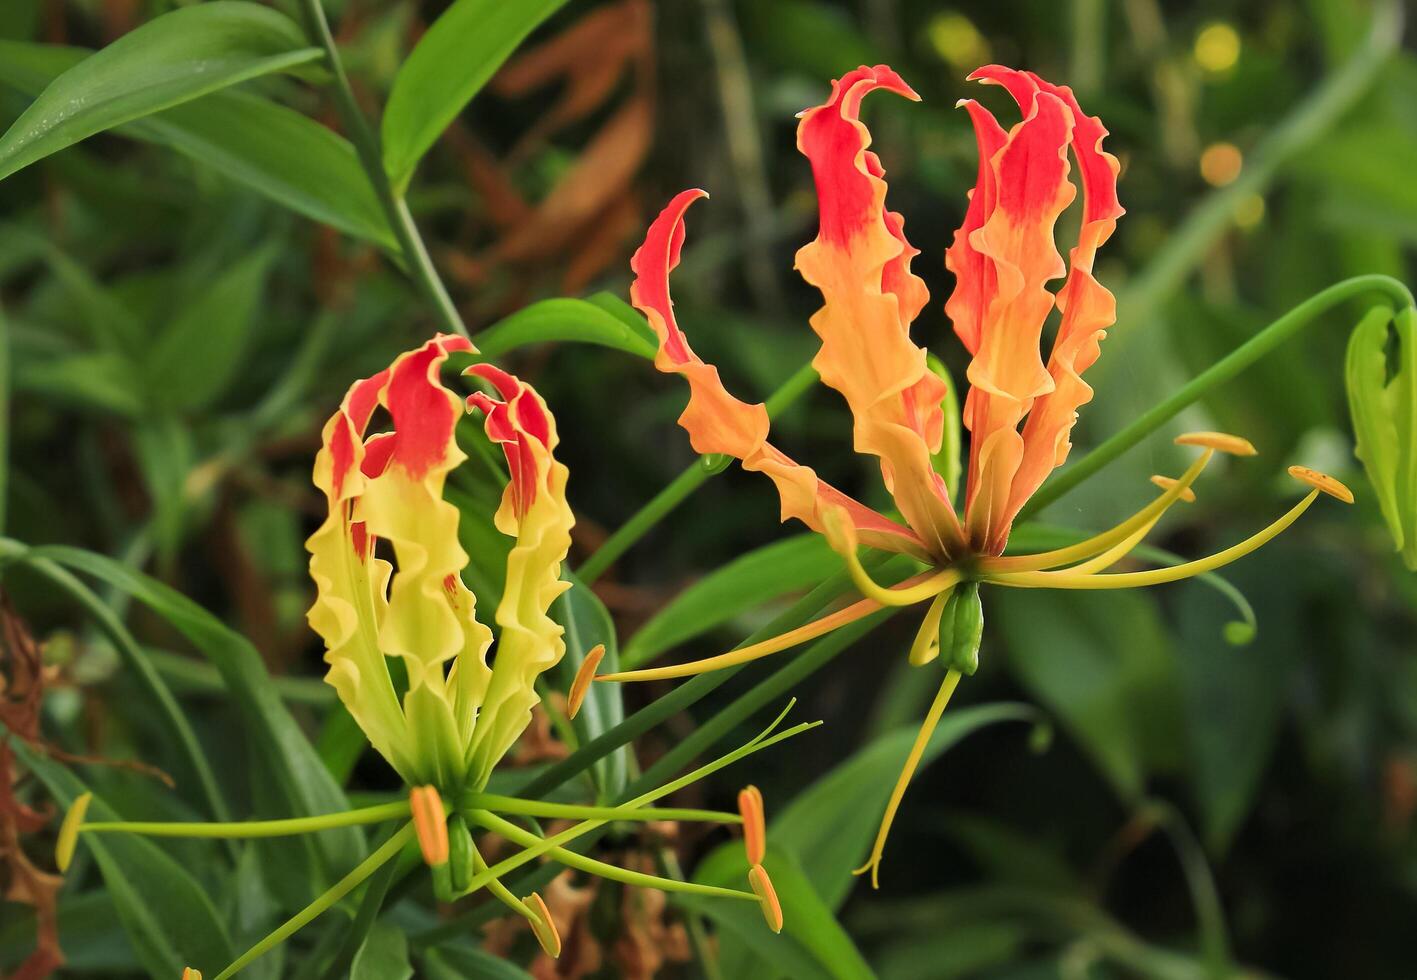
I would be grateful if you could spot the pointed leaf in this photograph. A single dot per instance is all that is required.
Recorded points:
(575, 320)
(460, 52)
(173, 59)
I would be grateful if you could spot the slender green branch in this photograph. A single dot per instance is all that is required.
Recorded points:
(386, 852)
(570, 811)
(571, 859)
(683, 485)
(1217, 374)
(366, 144)
(254, 828)
(1205, 897)
(4, 419)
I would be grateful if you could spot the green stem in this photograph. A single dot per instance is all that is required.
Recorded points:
(568, 811)
(1205, 897)
(366, 144)
(4, 418)
(1217, 374)
(386, 852)
(679, 489)
(580, 862)
(254, 828)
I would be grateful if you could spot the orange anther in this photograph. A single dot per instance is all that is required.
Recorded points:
(1166, 483)
(543, 925)
(1222, 442)
(430, 823)
(584, 676)
(767, 897)
(755, 837)
(1322, 481)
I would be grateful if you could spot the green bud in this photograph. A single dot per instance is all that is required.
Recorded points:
(1382, 399)
(461, 863)
(961, 629)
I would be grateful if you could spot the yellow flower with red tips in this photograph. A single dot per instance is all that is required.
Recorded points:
(388, 569)
(1020, 408)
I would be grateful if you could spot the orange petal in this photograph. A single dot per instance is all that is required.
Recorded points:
(860, 260)
(716, 421)
(1002, 265)
(750, 806)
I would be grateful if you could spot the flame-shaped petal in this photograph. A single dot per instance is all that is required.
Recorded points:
(1003, 257)
(716, 421)
(535, 512)
(860, 260)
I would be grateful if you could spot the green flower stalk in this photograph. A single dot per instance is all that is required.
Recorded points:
(458, 714)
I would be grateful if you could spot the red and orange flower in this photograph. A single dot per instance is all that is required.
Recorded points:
(1020, 408)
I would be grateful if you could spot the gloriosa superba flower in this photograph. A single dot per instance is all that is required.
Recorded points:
(444, 716)
(1019, 410)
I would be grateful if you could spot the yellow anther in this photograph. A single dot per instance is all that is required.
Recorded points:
(755, 835)
(1167, 482)
(430, 823)
(1220, 441)
(584, 676)
(69, 831)
(190, 974)
(543, 925)
(1322, 481)
(767, 897)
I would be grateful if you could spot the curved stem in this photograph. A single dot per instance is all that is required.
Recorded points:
(385, 853)
(494, 803)
(679, 489)
(1217, 374)
(366, 144)
(253, 828)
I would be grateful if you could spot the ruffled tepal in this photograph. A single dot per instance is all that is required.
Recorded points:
(1020, 407)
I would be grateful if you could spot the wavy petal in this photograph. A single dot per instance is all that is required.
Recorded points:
(535, 512)
(860, 260)
(1004, 256)
(716, 421)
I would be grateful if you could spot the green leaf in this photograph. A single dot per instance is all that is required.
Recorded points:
(451, 63)
(172, 59)
(812, 944)
(274, 150)
(574, 320)
(828, 828)
(383, 956)
(170, 921)
(465, 962)
(588, 623)
(1384, 412)
(747, 582)
(294, 773)
(201, 350)
(1104, 665)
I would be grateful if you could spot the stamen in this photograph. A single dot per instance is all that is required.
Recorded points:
(1103, 541)
(1220, 441)
(69, 831)
(572, 811)
(190, 974)
(755, 839)
(584, 676)
(1322, 481)
(1114, 554)
(767, 896)
(430, 823)
(926, 646)
(1068, 579)
(1167, 482)
(841, 535)
(912, 761)
(543, 925)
